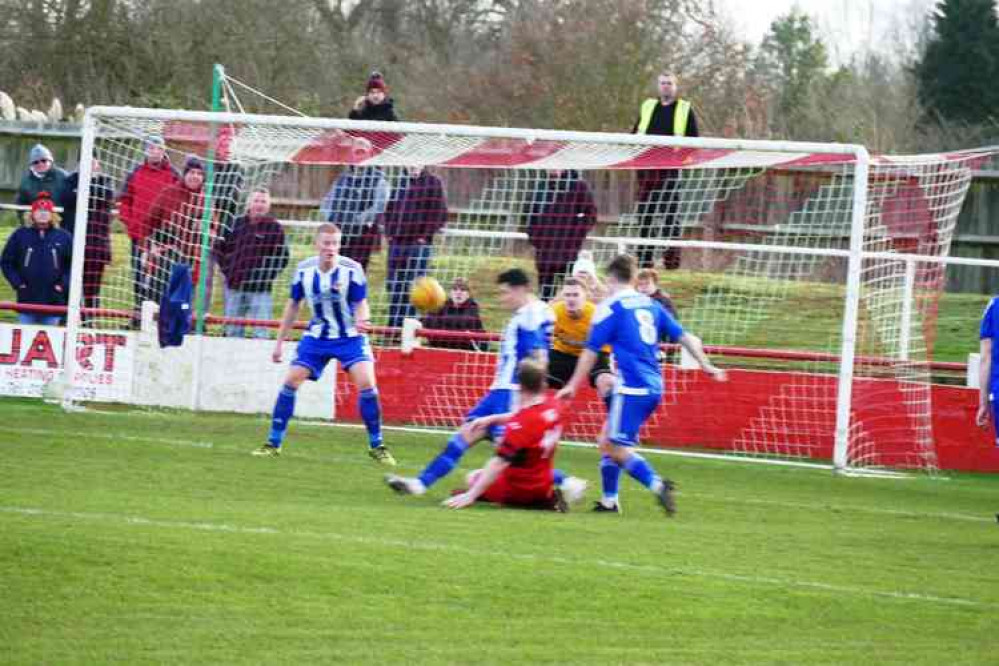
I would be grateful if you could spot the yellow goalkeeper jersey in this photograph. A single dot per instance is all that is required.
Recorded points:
(571, 332)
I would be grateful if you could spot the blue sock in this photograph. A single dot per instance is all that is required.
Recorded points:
(446, 461)
(610, 475)
(641, 471)
(284, 408)
(371, 412)
(558, 476)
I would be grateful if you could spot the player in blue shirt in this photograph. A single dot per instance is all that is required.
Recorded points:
(633, 325)
(337, 291)
(988, 373)
(526, 335)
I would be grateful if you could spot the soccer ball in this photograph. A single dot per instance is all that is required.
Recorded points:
(427, 294)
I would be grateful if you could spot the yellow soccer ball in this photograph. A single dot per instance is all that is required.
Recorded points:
(427, 294)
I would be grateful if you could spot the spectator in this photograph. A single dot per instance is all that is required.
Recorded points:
(354, 203)
(174, 226)
(36, 262)
(417, 211)
(141, 189)
(42, 176)
(559, 216)
(97, 253)
(658, 201)
(648, 284)
(374, 104)
(460, 313)
(251, 257)
(228, 182)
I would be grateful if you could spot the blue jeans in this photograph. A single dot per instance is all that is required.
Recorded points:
(405, 264)
(36, 319)
(247, 305)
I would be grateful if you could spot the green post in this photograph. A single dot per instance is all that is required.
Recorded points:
(200, 304)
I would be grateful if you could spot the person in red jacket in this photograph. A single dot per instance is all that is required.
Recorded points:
(174, 227)
(141, 188)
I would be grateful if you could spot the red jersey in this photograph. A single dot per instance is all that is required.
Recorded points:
(529, 444)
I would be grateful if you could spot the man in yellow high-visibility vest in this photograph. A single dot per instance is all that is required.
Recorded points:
(656, 207)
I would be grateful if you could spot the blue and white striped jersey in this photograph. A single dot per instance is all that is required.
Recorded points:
(333, 296)
(529, 329)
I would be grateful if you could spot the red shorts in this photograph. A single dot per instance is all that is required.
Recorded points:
(501, 492)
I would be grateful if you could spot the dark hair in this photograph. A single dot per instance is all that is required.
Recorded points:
(622, 267)
(531, 375)
(514, 277)
(574, 282)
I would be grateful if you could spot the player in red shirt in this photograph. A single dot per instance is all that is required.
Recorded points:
(521, 473)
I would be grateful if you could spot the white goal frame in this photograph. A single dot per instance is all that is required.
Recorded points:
(854, 256)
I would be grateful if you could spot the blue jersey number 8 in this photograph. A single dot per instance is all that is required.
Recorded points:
(646, 326)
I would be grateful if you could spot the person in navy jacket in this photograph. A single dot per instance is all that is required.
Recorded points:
(36, 262)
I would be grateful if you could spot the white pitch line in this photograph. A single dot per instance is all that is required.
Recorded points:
(724, 457)
(431, 546)
(48, 432)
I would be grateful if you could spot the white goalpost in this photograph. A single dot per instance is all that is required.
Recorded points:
(811, 271)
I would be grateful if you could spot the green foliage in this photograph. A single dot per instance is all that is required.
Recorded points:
(958, 71)
(792, 61)
(145, 538)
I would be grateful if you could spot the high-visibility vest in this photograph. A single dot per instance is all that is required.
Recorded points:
(680, 116)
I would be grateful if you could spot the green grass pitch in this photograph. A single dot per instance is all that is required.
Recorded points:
(151, 537)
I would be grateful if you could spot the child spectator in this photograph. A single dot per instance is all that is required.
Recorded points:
(648, 284)
(460, 313)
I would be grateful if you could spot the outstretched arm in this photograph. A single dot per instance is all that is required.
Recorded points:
(489, 474)
(693, 344)
(984, 414)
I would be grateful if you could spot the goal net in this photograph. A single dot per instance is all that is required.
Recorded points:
(812, 272)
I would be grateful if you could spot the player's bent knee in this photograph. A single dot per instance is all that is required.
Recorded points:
(297, 375)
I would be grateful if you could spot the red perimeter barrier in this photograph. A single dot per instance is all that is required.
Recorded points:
(430, 387)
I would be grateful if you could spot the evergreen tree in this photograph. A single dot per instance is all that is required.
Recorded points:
(957, 75)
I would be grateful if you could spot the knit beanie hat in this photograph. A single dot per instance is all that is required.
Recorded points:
(376, 82)
(193, 162)
(42, 202)
(39, 152)
(153, 140)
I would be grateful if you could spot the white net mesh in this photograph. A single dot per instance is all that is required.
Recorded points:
(751, 246)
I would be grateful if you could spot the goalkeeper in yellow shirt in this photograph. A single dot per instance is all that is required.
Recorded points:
(573, 316)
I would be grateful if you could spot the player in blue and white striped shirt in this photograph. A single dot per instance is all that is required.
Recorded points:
(337, 291)
(633, 325)
(527, 335)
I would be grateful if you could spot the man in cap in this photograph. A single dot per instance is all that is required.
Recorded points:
(42, 175)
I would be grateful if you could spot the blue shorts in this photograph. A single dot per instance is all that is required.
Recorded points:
(497, 401)
(314, 354)
(627, 414)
